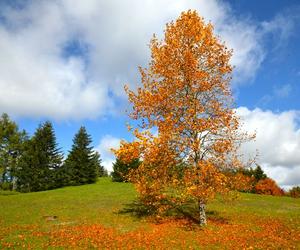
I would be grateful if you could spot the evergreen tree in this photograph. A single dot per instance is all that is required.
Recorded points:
(100, 169)
(11, 144)
(40, 162)
(259, 174)
(121, 169)
(82, 164)
(26, 171)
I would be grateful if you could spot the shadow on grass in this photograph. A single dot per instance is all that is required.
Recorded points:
(187, 211)
(215, 217)
(137, 209)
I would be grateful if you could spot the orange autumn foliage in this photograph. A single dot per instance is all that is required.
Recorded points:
(253, 233)
(268, 186)
(241, 182)
(205, 181)
(186, 97)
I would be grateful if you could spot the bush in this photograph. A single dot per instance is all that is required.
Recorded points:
(7, 186)
(268, 186)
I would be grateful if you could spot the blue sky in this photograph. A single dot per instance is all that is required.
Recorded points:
(67, 61)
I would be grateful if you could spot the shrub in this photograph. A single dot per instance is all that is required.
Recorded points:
(7, 186)
(268, 186)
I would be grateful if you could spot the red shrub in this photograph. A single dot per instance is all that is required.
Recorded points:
(268, 186)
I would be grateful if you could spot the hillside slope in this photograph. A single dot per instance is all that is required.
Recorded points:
(92, 216)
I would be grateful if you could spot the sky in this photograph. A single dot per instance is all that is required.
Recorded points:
(67, 61)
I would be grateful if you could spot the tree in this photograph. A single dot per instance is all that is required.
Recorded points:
(254, 176)
(102, 172)
(40, 161)
(186, 97)
(27, 172)
(82, 163)
(257, 173)
(121, 169)
(294, 192)
(11, 144)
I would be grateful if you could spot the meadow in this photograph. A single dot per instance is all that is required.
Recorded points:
(99, 216)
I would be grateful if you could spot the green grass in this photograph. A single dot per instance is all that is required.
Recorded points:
(94, 203)
(285, 208)
(102, 202)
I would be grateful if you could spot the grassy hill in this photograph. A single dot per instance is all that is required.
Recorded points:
(92, 216)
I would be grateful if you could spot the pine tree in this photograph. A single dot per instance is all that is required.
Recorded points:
(259, 173)
(26, 171)
(40, 162)
(81, 165)
(11, 144)
(100, 169)
(121, 169)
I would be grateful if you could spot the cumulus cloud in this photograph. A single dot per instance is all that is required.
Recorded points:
(104, 148)
(35, 80)
(277, 141)
(41, 76)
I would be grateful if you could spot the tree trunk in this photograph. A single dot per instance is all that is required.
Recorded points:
(202, 214)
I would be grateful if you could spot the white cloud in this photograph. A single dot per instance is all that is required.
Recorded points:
(129, 25)
(36, 80)
(281, 26)
(104, 148)
(277, 140)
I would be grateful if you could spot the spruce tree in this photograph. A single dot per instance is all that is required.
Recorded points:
(11, 145)
(26, 171)
(259, 174)
(100, 169)
(40, 162)
(81, 165)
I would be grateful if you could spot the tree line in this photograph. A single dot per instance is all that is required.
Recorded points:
(29, 164)
(247, 180)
